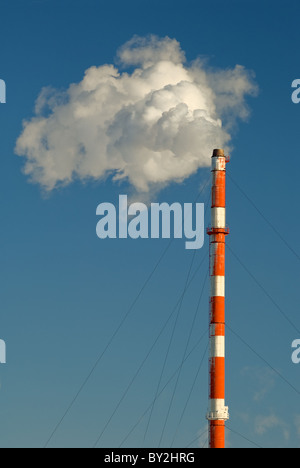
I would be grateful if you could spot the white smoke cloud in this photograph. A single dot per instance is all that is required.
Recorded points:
(155, 125)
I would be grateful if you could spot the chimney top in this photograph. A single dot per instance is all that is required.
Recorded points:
(218, 153)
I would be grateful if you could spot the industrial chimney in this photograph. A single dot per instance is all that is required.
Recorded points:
(217, 411)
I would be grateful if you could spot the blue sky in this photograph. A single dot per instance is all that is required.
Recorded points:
(63, 291)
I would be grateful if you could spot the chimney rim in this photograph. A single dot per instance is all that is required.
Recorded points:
(217, 153)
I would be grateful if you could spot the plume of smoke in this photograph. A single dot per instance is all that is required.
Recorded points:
(155, 125)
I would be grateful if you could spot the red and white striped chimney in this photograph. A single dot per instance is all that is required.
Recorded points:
(217, 411)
